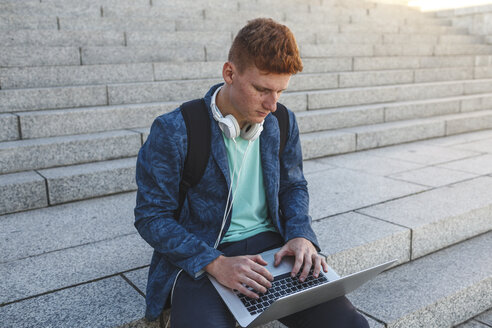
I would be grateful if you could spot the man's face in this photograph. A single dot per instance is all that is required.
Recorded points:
(254, 94)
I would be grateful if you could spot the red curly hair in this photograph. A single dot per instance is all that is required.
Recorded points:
(270, 46)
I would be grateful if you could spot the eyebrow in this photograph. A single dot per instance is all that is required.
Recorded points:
(266, 89)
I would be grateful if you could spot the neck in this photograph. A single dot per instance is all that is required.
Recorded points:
(225, 106)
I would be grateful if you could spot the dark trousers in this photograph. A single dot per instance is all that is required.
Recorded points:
(197, 304)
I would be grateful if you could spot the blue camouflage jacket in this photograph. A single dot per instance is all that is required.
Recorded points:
(187, 243)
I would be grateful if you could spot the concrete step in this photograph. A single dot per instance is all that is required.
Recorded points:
(59, 76)
(51, 98)
(43, 9)
(39, 56)
(40, 38)
(41, 124)
(403, 92)
(10, 127)
(440, 290)
(405, 62)
(23, 155)
(100, 232)
(19, 22)
(116, 23)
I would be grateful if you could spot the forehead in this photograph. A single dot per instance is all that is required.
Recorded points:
(266, 80)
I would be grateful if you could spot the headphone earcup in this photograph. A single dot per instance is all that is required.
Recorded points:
(229, 126)
(251, 131)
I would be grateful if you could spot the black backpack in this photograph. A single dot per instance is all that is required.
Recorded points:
(195, 114)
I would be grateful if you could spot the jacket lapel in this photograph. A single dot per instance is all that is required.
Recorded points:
(269, 147)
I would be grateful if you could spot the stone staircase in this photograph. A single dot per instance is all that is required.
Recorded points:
(81, 82)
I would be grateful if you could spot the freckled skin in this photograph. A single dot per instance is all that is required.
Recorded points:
(251, 95)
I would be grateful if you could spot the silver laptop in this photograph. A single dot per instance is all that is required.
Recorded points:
(288, 295)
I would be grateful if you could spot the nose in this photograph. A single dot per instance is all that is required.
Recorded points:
(270, 103)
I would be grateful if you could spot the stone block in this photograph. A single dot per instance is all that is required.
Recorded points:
(117, 23)
(315, 165)
(478, 165)
(124, 55)
(338, 190)
(295, 101)
(429, 29)
(468, 122)
(51, 98)
(144, 133)
(409, 38)
(477, 49)
(349, 38)
(42, 38)
(483, 73)
(343, 50)
(476, 102)
(483, 60)
(420, 109)
(472, 324)
(463, 39)
(159, 91)
(217, 52)
(350, 97)
(83, 181)
(71, 266)
(326, 65)
(425, 153)
(327, 119)
(172, 11)
(365, 28)
(417, 49)
(22, 191)
(380, 63)
(485, 317)
(439, 290)
(479, 145)
(10, 127)
(138, 278)
(141, 38)
(433, 176)
(42, 9)
(20, 22)
(444, 74)
(441, 217)
(304, 82)
(386, 134)
(428, 90)
(55, 228)
(91, 119)
(319, 144)
(478, 86)
(51, 76)
(446, 61)
(38, 56)
(104, 303)
(363, 161)
(187, 71)
(25, 155)
(186, 24)
(363, 79)
(353, 242)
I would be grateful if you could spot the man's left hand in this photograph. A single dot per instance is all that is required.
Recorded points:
(305, 255)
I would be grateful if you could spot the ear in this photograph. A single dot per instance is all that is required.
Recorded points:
(228, 72)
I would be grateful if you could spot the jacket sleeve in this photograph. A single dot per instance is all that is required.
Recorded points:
(159, 169)
(293, 193)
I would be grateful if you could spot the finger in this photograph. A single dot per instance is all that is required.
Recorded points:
(255, 285)
(324, 264)
(263, 272)
(258, 259)
(279, 255)
(297, 266)
(317, 265)
(245, 291)
(307, 267)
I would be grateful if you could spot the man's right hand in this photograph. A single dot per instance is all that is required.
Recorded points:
(238, 271)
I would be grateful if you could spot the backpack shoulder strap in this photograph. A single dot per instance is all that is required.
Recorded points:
(283, 123)
(197, 120)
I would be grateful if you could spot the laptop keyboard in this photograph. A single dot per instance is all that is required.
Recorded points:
(282, 285)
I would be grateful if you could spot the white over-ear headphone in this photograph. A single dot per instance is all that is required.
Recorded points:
(229, 124)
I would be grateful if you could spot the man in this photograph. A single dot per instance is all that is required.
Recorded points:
(250, 198)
